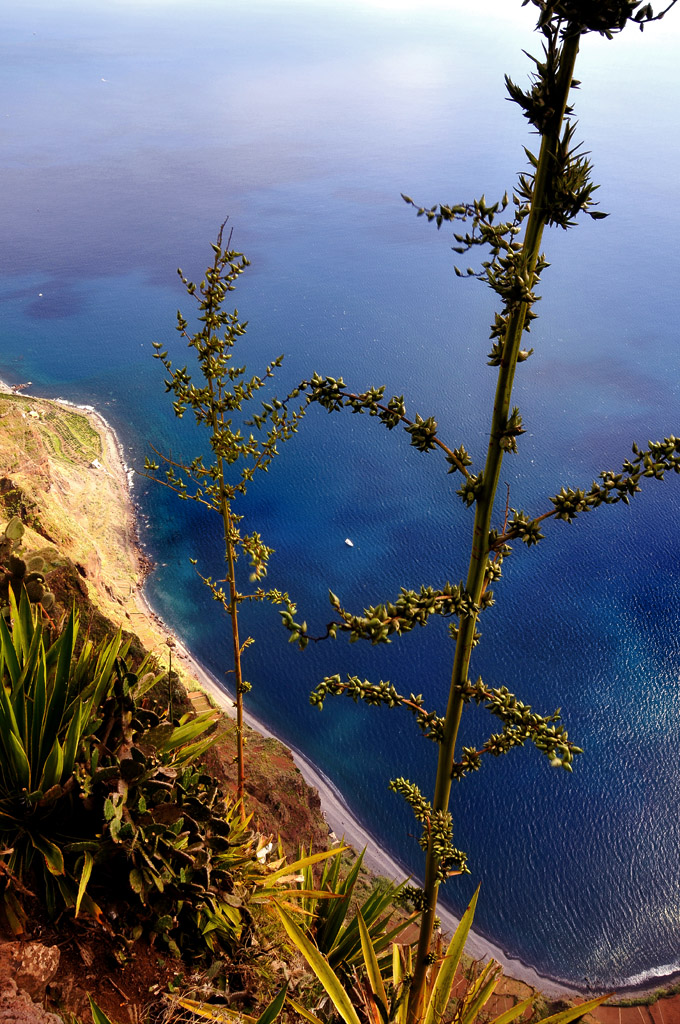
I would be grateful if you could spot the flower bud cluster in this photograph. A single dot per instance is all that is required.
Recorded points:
(332, 394)
(376, 694)
(437, 830)
(520, 724)
(381, 622)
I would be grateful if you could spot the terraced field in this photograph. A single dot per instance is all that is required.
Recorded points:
(71, 437)
(66, 433)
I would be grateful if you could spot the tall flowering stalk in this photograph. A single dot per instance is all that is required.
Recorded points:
(235, 456)
(555, 190)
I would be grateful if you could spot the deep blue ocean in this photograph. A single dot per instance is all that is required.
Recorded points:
(129, 131)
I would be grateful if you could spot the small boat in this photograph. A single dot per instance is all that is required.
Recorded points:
(349, 543)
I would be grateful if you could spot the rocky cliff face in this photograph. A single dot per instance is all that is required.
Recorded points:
(280, 800)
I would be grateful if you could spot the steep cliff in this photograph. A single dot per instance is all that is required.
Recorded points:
(63, 475)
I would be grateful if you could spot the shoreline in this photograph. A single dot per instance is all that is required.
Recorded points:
(343, 823)
(337, 813)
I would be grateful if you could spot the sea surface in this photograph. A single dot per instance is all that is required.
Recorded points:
(129, 132)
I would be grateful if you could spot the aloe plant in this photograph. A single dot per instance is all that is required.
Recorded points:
(169, 838)
(168, 841)
(101, 799)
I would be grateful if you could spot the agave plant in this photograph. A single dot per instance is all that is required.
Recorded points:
(48, 704)
(208, 1011)
(290, 889)
(335, 933)
(369, 998)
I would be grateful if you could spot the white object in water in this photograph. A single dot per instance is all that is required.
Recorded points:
(349, 543)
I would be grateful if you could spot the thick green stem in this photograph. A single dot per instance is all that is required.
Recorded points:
(484, 509)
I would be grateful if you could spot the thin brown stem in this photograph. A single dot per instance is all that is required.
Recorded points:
(238, 676)
(227, 521)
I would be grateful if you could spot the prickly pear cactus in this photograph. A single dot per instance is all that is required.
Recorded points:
(14, 529)
(16, 572)
(11, 538)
